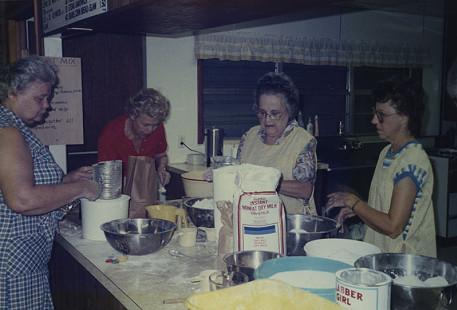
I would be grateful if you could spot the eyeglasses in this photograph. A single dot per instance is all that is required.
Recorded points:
(381, 115)
(273, 116)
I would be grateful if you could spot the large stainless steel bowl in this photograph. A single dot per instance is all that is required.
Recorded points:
(406, 297)
(247, 261)
(302, 228)
(199, 217)
(138, 236)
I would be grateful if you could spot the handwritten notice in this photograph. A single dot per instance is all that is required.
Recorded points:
(59, 13)
(64, 124)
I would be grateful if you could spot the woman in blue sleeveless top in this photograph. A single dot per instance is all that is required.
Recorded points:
(32, 185)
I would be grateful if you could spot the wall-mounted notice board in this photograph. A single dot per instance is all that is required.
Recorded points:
(60, 13)
(64, 124)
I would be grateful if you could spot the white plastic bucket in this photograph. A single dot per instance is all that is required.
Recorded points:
(363, 288)
(343, 250)
(95, 213)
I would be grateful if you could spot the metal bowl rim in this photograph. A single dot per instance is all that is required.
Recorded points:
(195, 199)
(174, 226)
(337, 225)
(249, 251)
(408, 255)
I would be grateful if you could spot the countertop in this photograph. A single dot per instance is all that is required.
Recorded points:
(142, 282)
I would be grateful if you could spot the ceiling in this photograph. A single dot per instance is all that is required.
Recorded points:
(18, 10)
(190, 16)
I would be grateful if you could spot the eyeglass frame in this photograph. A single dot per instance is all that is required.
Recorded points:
(381, 115)
(263, 115)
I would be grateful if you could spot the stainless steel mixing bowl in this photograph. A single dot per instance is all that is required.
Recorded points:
(138, 236)
(199, 217)
(247, 261)
(302, 228)
(409, 297)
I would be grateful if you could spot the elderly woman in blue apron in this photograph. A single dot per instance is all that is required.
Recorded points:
(399, 213)
(32, 185)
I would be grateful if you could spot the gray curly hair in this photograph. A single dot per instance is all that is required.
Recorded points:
(278, 84)
(150, 102)
(21, 74)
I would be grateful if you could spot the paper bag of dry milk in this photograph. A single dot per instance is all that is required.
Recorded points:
(259, 217)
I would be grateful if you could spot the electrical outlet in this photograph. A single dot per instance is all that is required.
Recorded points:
(181, 141)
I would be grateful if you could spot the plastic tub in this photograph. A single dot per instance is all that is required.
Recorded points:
(95, 213)
(344, 250)
(297, 263)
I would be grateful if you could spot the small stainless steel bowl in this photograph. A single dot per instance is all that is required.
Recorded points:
(409, 297)
(302, 228)
(199, 217)
(138, 236)
(247, 261)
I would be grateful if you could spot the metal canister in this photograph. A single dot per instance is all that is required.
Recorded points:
(108, 174)
(214, 143)
(363, 288)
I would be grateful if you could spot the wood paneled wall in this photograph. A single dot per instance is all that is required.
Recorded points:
(112, 68)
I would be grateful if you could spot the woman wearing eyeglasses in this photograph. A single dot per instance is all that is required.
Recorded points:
(281, 143)
(399, 213)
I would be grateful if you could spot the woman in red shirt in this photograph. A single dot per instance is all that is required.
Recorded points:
(140, 132)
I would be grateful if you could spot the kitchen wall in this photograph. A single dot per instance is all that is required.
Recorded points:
(172, 67)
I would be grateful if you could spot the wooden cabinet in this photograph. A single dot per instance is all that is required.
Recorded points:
(445, 195)
(449, 56)
(175, 189)
(74, 288)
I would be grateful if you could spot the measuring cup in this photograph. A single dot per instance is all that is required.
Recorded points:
(221, 279)
(187, 236)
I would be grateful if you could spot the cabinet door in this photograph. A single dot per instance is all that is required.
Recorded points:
(440, 194)
(112, 71)
(175, 189)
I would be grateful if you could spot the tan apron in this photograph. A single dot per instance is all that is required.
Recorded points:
(281, 156)
(420, 236)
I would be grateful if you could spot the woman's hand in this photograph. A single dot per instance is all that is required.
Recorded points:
(208, 174)
(340, 199)
(344, 201)
(85, 172)
(163, 175)
(91, 189)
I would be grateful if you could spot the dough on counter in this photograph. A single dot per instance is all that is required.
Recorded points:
(307, 279)
(265, 294)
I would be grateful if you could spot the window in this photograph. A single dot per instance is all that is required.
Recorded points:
(334, 93)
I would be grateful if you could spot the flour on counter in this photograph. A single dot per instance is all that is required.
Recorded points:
(206, 204)
(307, 279)
(413, 280)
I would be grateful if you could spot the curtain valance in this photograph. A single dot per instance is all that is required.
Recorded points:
(237, 46)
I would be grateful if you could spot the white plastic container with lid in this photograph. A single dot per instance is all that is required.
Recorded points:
(343, 250)
(95, 213)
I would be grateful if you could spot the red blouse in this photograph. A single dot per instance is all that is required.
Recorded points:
(113, 144)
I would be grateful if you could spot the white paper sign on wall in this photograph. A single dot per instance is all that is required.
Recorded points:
(64, 125)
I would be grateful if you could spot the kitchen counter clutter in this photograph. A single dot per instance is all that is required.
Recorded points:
(180, 168)
(141, 282)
